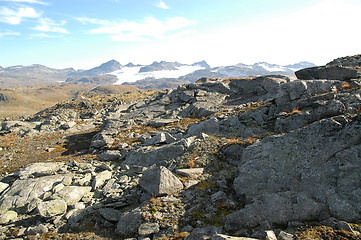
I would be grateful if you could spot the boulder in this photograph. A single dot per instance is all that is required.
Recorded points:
(160, 138)
(40, 169)
(129, 223)
(149, 156)
(100, 179)
(3, 187)
(8, 217)
(209, 126)
(148, 228)
(72, 194)
(22, 198)
(327, 72)
(307, 174)
(160, 181)
(48, 209)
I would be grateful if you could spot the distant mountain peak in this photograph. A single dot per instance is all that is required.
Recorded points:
(202, 64)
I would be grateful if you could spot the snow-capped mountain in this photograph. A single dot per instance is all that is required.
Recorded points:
(156, 75)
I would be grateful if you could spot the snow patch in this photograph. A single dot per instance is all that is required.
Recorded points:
(273, 69)
(132, 74)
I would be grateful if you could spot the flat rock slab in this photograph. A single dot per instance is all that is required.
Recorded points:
(190, 172)
(327, 72)
(160, 181)
(24, 192)
(72, 194)
(40, 169)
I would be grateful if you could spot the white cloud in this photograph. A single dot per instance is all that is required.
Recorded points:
(84, 20)
(48, 25)
(320, 33)
(162, 5)
(26, 1)
(15, 16)
(130, 31)
(4, 34)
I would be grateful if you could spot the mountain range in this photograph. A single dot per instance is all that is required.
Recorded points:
(156, 75)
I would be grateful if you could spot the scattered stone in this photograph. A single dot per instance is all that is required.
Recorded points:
(68, 125)
(191, 172)
(225, 237)
(52, 208)
(160, 181)
(100, 179)
(148, 228)
(165, 138)
(8, 217)
(285, 236)
(270, 235)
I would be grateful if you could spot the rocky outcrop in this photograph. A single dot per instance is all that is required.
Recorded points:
(327, 72)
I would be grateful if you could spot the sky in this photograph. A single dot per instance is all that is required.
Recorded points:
(85, 33)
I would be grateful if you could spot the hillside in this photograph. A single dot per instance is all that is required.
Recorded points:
(264, 157)
(23, 101)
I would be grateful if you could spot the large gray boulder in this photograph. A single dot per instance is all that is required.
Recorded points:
(327, 72)
(23, 194)
(311, 173)
(160, 181)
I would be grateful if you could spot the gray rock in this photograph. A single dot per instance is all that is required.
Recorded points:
(161, 122)
(110, 155)
(110, 214)
(295, 175)
(225, 237)
(8, 217)
(160, 181)
(270, 235)
(3, 187)
(129, 223)
(19, 197)
(190, 172)
(204, 233)
(52, 208)
(100, 179)
(101, 140)
(146, 229)
(148, 156)
(39, 229)
(72, 194)
(327, 72)
(209, 126)
(285, 236)
(68, 125)
(160, 138)
(40, 169)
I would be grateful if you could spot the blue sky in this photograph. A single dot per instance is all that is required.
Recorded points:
(86, 33)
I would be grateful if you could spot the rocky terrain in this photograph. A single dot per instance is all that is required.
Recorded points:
(225, 158)
(23, 101)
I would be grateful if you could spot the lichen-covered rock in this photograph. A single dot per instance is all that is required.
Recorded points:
(8, 217)
(52, 208)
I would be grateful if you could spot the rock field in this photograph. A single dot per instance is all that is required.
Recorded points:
(266, 157)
